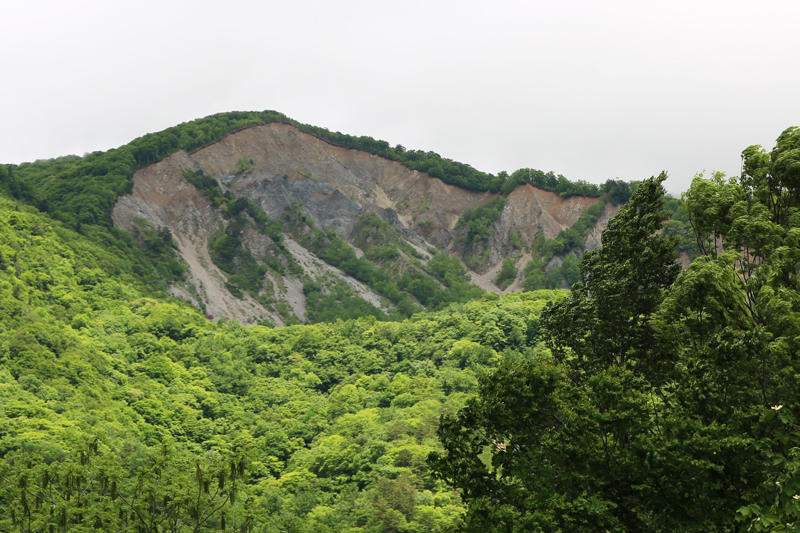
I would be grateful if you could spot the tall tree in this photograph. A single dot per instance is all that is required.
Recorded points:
(733, 321)
(559, 445)
(605, 319)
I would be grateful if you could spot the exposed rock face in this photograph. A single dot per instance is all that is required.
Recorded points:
(333, 186)
(593, 238)
(163, 198)
(530, 212)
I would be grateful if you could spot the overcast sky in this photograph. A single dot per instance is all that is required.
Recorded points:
(589, 89)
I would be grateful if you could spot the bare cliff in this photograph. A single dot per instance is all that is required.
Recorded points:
(316, 189)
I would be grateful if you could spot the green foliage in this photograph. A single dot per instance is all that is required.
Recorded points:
(535, 273)
(518, 453)
(244, 165)
(680, 226)
(452, 274)
(478, 221)
(158, 248)
(645, 400)
(782, 514)
(570, 269)
(587, 220)
(549, 182)
(229, 253)
(737, 306)
(552, 444)
(89, 491)
(670, 401)
(508, 273)
(336, 301)
(774, 178)
(11, 185)
(541, 272)
(337, 252)
(400, 278)
(617, 191)
(235, 208)
(226, 248)
(379, 241)
(604, 321)
(335, 420)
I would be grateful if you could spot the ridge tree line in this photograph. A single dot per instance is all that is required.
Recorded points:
(669, 399)
(82, 190)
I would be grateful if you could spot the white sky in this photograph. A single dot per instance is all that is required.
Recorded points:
(589, 89)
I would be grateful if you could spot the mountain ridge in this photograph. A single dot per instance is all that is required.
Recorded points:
(322, 186)
(274, 166)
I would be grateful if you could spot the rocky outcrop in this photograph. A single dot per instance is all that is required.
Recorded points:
(276, 166)
(162, 198)
(528, 213)
(334, 184)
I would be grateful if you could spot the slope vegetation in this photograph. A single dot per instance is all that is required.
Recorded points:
(100, 380)
(394, 219)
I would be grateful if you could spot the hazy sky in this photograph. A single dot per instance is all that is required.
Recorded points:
(589, 89)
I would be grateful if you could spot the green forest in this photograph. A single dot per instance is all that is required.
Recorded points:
(647, 397)
(104, 382)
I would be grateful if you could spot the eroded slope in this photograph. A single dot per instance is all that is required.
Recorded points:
(281, 169)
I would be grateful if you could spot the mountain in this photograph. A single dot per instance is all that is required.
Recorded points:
(647, 398)
(105, 383)
(254, 216)
(278, 225)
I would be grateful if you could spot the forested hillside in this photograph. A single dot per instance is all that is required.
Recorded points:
(669, 400)
(103, 384)
(651, 396)
(296, 169)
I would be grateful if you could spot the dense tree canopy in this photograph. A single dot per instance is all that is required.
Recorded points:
(551, 444)
(105, 383)
(647, 398)
(669, 401)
